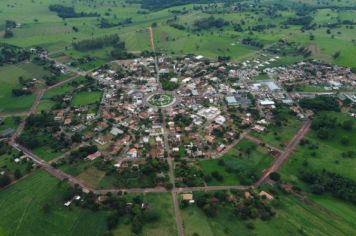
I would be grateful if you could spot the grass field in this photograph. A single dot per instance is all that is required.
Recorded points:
(7, 163)
(293, 218)
(162, 203)
(9, 80)
(21, 210)
(46, 153)
(86, 98)
(327, 156)
(279, 136)
(8, 122)
(244, 167)
(91, 176)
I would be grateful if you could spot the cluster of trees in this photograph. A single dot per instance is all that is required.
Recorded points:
(177, 26)
(21, 92)
(136, 210)
(161, 4)
(11, 54)
(38, 132)
(210, 22)
(121, 54)
(97, 43)
(83, 152)
(144, 176)
(10, 172)
(320, 103)
(329, 182)
(182, 120)
(325, 125)
(252, 42)
(69, 12)
(168, 85)
(105, 23)
(245, 209)
(302, 20)
(9, 25)
(191, 175)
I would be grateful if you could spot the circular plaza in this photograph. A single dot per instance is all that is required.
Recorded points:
(161, 99)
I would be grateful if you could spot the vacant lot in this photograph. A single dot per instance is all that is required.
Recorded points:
(86, 98)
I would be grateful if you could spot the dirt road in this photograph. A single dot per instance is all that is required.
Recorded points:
(279, 161)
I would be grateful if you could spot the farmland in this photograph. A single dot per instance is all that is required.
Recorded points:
(9, 80)
(28, 197)
(55, 34)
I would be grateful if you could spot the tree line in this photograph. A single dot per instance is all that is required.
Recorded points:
(69, 12)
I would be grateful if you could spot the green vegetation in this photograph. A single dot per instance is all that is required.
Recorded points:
(86, 98)
(8, 123)
(9, 79)
(284, 126)
(324, 148)
(35, 206)
(160, 100)
(160, 205)
(293, 216)
(243, 164)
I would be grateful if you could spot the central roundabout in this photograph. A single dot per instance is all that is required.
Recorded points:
(161, 99)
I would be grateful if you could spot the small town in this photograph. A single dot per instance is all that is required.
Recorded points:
(177, 118)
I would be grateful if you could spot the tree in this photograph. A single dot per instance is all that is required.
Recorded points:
(347, 125)
(336, 54)
(17, 174)
(4, 180)
(275, 176)
(46, 208)
(8, 34)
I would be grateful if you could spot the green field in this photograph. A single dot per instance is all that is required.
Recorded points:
(9, 80)
(22, 210)
(86, 98)
(327, 156)
(293, 217)
(244, 168)
(8, 164)
(46, 153)
(40, 27)
(8, 123)
(279, 136)
(162, 203)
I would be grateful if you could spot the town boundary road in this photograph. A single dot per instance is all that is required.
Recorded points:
(278, 162)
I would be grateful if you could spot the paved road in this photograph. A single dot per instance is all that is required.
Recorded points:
(277, 164)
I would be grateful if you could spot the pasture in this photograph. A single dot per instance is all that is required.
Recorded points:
(327, 155)
(292, 217)
(22, 210)
(9, 75)
(162, 204)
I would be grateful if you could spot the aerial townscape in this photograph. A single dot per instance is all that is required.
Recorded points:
(177, 117)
